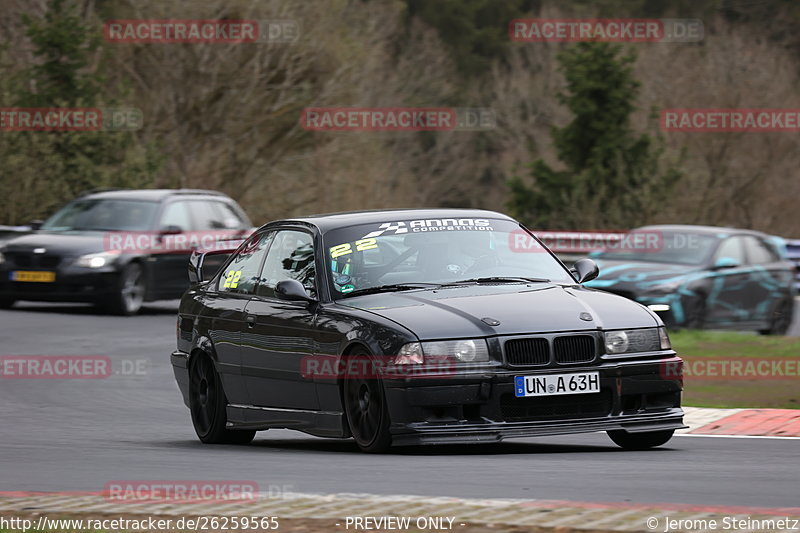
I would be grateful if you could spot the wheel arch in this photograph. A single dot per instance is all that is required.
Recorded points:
(202, 348)
(350, 349)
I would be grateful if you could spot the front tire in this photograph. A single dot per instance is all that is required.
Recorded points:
(640, 441)
(696, 314)
(6, 302)
(129, 292)
(366, 410)
(207, 402)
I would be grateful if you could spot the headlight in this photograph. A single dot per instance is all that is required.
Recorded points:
(464, 350)
(636, 340)
(616, 342)
(98, 260)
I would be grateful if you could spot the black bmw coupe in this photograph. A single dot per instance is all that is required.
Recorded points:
(416, 327)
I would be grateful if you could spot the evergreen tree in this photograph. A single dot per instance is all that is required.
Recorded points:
(51, 167)
(612, 177)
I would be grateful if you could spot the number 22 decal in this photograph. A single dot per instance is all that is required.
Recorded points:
(346, 248)
(232, 279)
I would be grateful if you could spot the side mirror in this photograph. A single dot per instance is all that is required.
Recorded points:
(204, 265)
(725, 262)
(585, 269)
(36, 224)
(292, 290)
(170, 230)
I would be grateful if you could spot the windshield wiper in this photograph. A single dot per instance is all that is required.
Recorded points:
(499, 279)
(395, 287)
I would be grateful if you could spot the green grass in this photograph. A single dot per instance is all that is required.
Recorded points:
(723, 346)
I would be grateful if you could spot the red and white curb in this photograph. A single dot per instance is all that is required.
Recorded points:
(331, 511)
(742, 422)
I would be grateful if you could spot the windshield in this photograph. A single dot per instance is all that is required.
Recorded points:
(683, 248)
(434, 251)
(103, 215)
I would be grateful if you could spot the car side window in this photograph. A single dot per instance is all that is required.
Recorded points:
(241, 274)
(226, 216)
(176, 214)
(732, 248)
(291, 256)
(214, 215)
(759, 252)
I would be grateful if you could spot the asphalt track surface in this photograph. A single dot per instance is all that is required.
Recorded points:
(77, 435)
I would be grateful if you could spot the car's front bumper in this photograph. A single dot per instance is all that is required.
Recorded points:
(635, 396)
(72, 284)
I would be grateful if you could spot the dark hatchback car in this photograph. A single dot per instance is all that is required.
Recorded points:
(417, 327)
(112, 248)
(704, 277)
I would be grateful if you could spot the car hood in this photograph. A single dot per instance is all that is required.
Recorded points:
(639, 276)
(64, 244)
(538, 308)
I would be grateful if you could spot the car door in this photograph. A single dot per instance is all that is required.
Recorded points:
(224, 311)
(769, 278)
(280, 333)
(168, 278)
(729, 284)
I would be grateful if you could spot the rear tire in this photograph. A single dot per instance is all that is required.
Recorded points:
(781, 319)
(207, 402)
(366, 410)
(640, 441)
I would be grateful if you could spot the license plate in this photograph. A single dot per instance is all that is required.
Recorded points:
(36, 276)
(556, 384)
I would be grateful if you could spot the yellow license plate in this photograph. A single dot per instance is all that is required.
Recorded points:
(33, 276)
